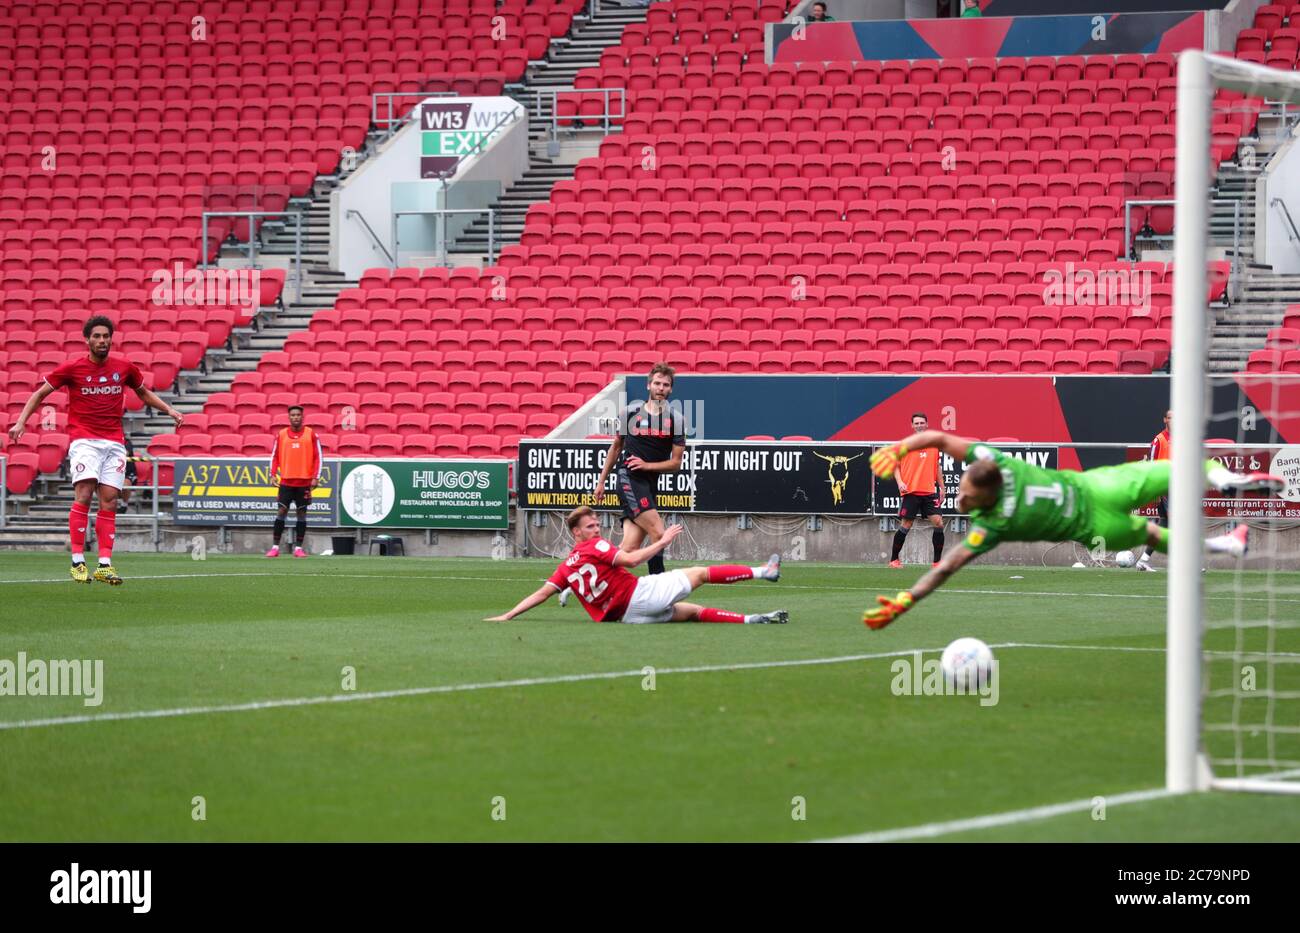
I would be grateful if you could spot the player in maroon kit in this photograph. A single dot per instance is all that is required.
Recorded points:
(598, 573)
(97, 455)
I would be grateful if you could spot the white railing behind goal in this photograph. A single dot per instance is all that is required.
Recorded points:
(1232, 669)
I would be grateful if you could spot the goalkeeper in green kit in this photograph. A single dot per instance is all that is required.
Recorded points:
(1011, 500)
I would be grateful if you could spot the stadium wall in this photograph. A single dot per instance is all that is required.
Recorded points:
(181, 539)
(854, 10)
(1225, 24)
(710, 539)
(594, 417)
(1278, 184)
(718, 539)
(378, 186)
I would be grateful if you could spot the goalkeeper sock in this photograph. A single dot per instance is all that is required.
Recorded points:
(721, 615)
(656, 563)
(937, 538)
(1218, 475)
(899, 537)
(1162, 545)
(278, 530)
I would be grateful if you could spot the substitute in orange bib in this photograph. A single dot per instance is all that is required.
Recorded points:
(920, 483)
(1159, 451)
(295, 467)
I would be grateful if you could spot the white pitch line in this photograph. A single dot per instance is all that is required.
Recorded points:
(290, 702)
(1027, 644)
(1215, 653)
(931, 830)
(435, 577)
(1060, 593)
(427, 577)
(446, 688)
(156, 576)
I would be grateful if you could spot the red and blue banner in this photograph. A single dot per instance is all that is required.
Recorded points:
(1067, 7)
(1044, 409)
(990, 36)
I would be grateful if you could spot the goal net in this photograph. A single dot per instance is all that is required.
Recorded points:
(1233, 662)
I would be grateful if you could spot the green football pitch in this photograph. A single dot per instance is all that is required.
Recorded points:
(226, 693)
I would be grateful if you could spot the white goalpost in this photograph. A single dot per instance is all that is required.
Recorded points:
(1265, 752)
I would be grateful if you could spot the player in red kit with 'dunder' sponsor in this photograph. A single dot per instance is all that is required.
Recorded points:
(96, 386)
(597, 571)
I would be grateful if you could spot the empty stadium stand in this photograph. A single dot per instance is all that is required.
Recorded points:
(124, 121)
(886, 216)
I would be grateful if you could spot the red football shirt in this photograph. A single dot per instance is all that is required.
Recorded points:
(95, 395)
(605, 590)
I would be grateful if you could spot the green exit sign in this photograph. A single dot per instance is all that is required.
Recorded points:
(452, 143)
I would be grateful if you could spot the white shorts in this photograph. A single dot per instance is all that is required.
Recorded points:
(655, 595)
(102, 461)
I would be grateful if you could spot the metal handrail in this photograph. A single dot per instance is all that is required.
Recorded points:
(153, 483)
(392, 264)
(1281, 109)
(392, 123)
(442, 230)
(1294, 235)
(1129, 233)
(253, 243)
(4, 487)
(443, 176)
(605, 115)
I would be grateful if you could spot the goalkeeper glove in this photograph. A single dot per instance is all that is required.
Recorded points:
(887, 459)
(888, 611)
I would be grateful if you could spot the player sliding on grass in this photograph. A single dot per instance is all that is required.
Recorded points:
(650, 442)
(597, 572)
(1011, 500)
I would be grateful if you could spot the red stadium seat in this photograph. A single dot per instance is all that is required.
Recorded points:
(21, 470)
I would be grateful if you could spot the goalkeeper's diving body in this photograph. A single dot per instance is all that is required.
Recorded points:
(1011, 500)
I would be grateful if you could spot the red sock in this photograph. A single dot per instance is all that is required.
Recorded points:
(721, 615)
(730, 573)
(105, 529)
(78, 521)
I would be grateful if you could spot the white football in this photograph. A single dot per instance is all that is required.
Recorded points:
(1125, 559)
(967, 662)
